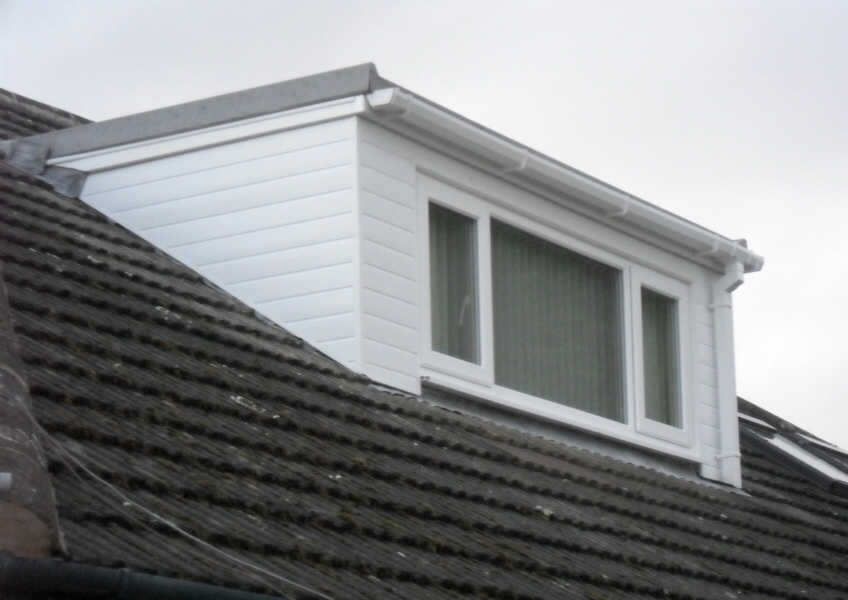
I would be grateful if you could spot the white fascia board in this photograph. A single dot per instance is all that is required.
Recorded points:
(416, 116)
(119, 156)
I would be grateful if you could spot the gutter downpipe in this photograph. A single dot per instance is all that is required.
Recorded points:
(28, 578)
(728, 458)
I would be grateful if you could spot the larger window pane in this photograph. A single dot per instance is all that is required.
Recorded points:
(660, 356)
(453, 284)
(557, 323)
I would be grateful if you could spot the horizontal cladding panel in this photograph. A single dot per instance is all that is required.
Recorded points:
(705, 335)
(293, 284)
(388, 235)
(256, 219)
(709, 416)
(707, 395)
(703, 315)
(236, 176)
(407, 382)
(710, 436)
(375, 152)
(285, 145)
(389, 333)
(377, 353)
(386, 163)
(389, 308)
(268, 240)
(282, 262)
(300, 186)
(329, 328)
(706, 355)
(387, 186)
(309, 306)
(388, 210)
(389, 259)
(343, 351)
(389, 284)
(707, 375)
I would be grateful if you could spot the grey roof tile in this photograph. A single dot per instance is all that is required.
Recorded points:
(179, 399)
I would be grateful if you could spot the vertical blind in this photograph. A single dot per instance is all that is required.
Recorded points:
(660, 356)
(557, 323)
(453, 284)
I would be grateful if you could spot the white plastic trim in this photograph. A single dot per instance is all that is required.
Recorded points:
(400, 106)
(110, 158)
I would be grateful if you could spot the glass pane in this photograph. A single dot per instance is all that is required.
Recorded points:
(453, 284)
(557, 323)
(660, 351)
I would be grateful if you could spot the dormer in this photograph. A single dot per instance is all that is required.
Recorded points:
(415, 246)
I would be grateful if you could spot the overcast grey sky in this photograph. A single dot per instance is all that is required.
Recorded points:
(733, 114)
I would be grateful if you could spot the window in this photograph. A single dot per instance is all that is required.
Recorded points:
(453, 281)
(557, 325)
(660, 358)
(532, 318)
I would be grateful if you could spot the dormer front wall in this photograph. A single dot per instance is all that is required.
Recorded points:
(399, 176)
(323, 228)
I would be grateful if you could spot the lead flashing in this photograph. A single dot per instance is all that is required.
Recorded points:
(209, 112)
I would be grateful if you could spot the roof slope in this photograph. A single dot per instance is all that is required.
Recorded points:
(183, 426)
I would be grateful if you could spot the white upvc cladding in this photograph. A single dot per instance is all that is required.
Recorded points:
(453, 183)
(322, 227)
(390, 261)
(272, 220)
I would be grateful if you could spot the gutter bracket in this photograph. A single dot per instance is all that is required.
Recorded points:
(711, 251)
(390, 102)
(520, 165)
(728, 455)
(619, 212)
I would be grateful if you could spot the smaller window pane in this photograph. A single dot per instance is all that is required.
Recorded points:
(661, 358)
(453, 284)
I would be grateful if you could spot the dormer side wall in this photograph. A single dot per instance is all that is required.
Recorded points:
(271, 220)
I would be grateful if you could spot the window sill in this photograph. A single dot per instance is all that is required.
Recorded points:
(647, 434)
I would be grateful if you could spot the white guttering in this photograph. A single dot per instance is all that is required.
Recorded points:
(509, 158)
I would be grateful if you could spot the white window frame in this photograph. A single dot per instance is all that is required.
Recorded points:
(478, 380)
(680, 292)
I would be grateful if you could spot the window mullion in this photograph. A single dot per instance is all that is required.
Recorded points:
(484, 258)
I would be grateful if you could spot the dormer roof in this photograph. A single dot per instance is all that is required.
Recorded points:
(64, 157)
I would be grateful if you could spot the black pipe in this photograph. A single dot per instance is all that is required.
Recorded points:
(54, 579)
